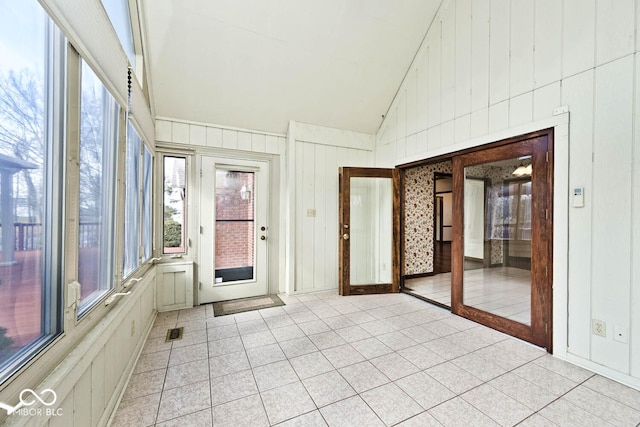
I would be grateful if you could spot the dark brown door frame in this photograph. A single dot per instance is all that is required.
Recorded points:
(345, 288)
(541, 143)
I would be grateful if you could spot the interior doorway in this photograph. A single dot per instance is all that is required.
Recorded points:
(501, 235)
(443, 193)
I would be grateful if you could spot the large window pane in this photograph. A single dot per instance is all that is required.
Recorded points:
(30, 196)
(98, 141)
(174, 204)
(132, 202)
(147, 198)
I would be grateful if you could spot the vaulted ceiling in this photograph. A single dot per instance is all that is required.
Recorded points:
(257, 64)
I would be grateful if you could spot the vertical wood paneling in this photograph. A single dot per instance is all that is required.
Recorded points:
(299, 226)
(548, 33)
(433, 109)
(499, 116)
(402, 114)
(462, 128)
(545, 99)
(447, 132)
(229, 139)
(410, 145)
(448, 63)
(98, 398)
(214, 137)
(272, 144)
(258, 142)
(421, 142)
(422, 89)
(318, 223)
(433, 138)
(480, 29)
(463, 57)
(578, 36)
(612, 207)
(479, 123)
(82, 399)
(615, 35)
(635, 238)
(197, 135)
(163, 131)
(180, 133)
(499, 51)
(244, 141)
(521, 49)
(521, 109)
(330, 208)
(412, 106)
(307, 195)
(68, 419)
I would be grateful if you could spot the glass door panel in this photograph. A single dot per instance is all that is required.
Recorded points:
(497, 261)
(234, 226)
(369, 226)
(503, 232)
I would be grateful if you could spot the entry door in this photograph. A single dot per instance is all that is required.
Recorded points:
(369, 229)
(234, 229)
(503, 196)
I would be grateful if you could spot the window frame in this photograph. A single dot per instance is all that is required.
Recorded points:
(53, 194)
(142, 258)
(113, 199)
(161, 153)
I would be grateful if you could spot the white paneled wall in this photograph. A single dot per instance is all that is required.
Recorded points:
(488, 67)
(204, 135)
(319, 152)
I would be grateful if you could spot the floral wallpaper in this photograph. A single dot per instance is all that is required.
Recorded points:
(418, 216)
(419, 210)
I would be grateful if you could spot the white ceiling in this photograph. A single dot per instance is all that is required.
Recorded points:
(257, 64)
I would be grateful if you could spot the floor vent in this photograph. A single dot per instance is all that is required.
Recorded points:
(174, 334)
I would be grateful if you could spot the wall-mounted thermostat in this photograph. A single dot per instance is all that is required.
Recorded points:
(578, 197)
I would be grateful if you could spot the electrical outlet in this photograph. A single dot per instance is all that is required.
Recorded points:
(311, 212)
(599, 327)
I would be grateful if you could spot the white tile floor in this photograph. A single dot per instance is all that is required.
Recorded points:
(505, 291)
(372, 360)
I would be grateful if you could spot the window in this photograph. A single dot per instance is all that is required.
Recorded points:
(174, 204)
(120, 17)
(137, 222)
(31, 150)
(132, 203)
(147, 200)
(97, 198)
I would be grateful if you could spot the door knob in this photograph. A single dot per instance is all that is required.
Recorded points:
(345, 236)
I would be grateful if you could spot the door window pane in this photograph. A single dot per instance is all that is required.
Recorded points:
(175, 181)
(497, 238)
(30, 188)
(98, 142)
(235, 225)
(370, 231)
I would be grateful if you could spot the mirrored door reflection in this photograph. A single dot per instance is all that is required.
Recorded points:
(497, 238)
